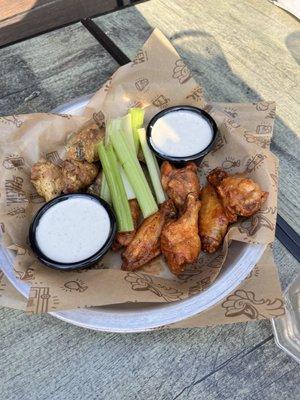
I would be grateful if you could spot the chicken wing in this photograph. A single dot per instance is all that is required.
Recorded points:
(77, 175)
(123, 239)
(213, 221)
(146, 243)
(179, 182)
(47, 179)
(239, 195)
(82, 146)
(180, 242)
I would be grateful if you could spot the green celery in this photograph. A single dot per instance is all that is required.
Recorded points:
(118, 194)
(137, 120)
(104, 190)
(126, 130)
(153, 167)
(134, 174)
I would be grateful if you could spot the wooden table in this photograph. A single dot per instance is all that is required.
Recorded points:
(240, 52)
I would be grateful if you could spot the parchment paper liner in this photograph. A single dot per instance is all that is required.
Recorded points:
(156, 78)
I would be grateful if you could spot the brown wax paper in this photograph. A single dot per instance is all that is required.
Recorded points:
(254, 299)
(157, 78)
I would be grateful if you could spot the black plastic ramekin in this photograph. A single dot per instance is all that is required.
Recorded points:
(197, 157)
(78, 264)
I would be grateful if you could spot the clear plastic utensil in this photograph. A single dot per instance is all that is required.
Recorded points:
(287, 328)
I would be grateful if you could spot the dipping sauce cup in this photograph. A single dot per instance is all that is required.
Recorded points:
(72, 231)
(181, 134)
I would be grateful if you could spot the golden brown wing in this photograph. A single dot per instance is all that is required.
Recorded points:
(180, 242)
(239, 195)
(47, 179)
(123, 239)
(146, 243)
(82, 145)
(179, 182)
(77, 175)
(213, 221)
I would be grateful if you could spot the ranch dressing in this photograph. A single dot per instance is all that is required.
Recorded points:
(73, 230)
(181, 133)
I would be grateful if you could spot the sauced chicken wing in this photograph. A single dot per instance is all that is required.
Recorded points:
(213, 221)
(77, 175)
(82, 145)
(179, 182)
(47, 179)
(180, 242)
(240, 196)
(123, 239)
(146, 244)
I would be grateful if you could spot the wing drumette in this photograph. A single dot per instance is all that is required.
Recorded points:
(180, 242)
(146, 243)
(179, 182)
(123, 239)
(77, 175)
(213, 221)
(47, 179)
(82, 145)
(239, 195)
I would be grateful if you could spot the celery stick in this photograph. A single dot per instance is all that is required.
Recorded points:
(153, 167)
(128, 188)
(137, 120)
(135, 175)
(118, 195)
(104, 190)
(117, 125)
(126, 130)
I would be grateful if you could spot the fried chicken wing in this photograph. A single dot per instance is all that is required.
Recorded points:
(146, 244)
(179, 182)
(123, 239)
(180, 242)
(47, 179)
(239, 195)
(213, 221)
(82, 146)
(77, 175)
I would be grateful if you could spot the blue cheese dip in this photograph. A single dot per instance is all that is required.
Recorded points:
(181, 133)
(73, 230)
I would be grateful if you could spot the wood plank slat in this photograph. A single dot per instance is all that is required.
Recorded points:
(49, 70)
(19, 20)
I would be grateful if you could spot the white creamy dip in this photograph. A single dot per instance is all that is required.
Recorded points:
(181, 133)
(73, 230)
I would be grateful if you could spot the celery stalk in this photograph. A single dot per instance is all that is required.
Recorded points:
(137, 120)
(126, 130)
(123, 127)
(128, 188)
(134, 174)
(118, 194)
(153, 167)
(104, 190)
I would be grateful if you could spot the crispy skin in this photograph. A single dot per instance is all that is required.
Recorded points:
(123, 239)
(146, 243)
(82, 146)
(239, 195)
(95, 186)
(179, 182)
(213, 221)
(77, 175)
(180, 242)
(47, 179)
(216, 176)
